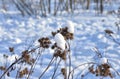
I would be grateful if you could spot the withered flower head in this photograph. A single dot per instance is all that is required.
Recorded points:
(44, 42)
(11, 49)
(2, 68)
(23, 72)
(63, 71)
(65, 32)
(26, 56)
(101, 70)
(107, 31)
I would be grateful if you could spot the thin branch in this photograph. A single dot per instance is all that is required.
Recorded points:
(81, 65)
(16, 62)
(33, 65)
(56, 69)
(52, 60)
(10, 67)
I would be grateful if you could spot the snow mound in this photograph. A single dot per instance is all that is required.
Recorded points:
(59, 39)
(70, 26)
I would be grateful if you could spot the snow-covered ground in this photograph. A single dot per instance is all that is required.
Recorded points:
(20, 33)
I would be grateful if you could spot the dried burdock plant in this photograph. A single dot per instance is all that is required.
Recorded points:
(101, 70)
(23, 72)
(44, 42)
(25, 57)
(67, 31)
(2, 68)
(60, 46)
(11, 49)
(60, 54)
(101, 67)
(64, 31)
(111, 36)
(64, 72)
(109, 32)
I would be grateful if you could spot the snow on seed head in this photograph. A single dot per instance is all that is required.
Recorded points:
(70, 26)
(103, 60)
(60, 41)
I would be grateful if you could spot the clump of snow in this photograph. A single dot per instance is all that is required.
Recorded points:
(103, 60)
(100, 36)
(13, 58)
(70, 26)
(59, 39)
(17, 40)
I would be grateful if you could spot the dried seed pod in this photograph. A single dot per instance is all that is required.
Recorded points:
(82, 75)
(54, 33)
(110, 75)
(44, 42)
(108, 31)
(97, 71)
(63, 70)
(26, 56)
(2, 68)
(57, 53)
(63, 55)
(52, 47)
(23, 72)
(5, 56)
(91, 69)
(11, 49)
(101, 70)
(8, 74)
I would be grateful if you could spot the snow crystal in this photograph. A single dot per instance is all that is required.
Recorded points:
(103, 60)
(70, 26)
(59, 39)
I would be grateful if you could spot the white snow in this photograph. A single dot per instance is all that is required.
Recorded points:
(17, 40)
(88, 28)
(12, 58)
(70, 26)
(103, 60)
(59, 39)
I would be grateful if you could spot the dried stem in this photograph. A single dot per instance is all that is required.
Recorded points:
(18, 70)
(65, 76)
(10, 67)
(115, 40)
(50, 63)
(97, 52)
(33, 65)
(56, 69)
(16, 62)
(81, 65)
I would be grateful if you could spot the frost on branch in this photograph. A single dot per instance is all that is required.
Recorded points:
(60, 41)
(70, 26)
